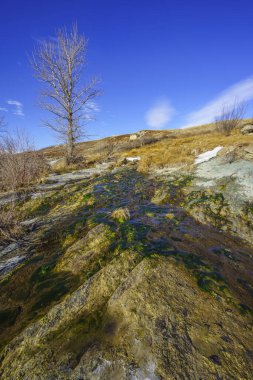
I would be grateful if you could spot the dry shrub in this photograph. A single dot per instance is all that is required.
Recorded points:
(121, 147)
(20, 165)
(183, 149)
(10, 227)
(150, 140)
(230, 118)
(135, 144)
(145, 164)
(104, 147)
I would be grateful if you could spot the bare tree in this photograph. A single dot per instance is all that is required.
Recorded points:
(58, 63)
(230, 117)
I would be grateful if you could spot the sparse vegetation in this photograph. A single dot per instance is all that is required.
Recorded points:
(183, 148)
(20, 164)
(121, 214)
(230, 117)
(10, 227)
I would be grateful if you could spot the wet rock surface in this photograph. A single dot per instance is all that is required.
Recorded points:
(54, 183)
(154, 295)
(237, 175)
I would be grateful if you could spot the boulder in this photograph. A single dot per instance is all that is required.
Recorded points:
(247, 129)
(133, 137)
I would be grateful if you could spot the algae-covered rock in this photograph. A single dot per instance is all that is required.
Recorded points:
(131, 321)
(156, 296)
(86, 252)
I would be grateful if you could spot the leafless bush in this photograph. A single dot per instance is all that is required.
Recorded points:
(149, 140)
(230, 117)
(136, 143)
(105, 147)
(10, 227)
(20, 165)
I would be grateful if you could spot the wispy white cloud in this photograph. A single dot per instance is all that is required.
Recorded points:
(90, 109)
(3, 109)
(239, 92)
(93, 106)
(159, 114)
(18, 107)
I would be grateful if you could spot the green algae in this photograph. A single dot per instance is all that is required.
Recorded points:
(49, 286)
(93, 205)
(51, 290)
(40, 206)
(8, 316)
(213, 205)
(246, 286)
(85, 331)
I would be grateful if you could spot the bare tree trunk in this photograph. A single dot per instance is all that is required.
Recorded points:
(70, 142)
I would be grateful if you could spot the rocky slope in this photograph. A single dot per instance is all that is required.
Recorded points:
(124, 275)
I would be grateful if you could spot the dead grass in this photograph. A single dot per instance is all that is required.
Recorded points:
(185, 147)
(174, 147)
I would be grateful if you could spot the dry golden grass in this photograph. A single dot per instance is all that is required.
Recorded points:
(185, 146)
(179, 146)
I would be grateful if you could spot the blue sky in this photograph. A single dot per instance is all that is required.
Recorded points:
(163, 64)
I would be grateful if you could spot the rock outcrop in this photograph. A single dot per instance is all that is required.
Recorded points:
(247, 129)
(122, 281)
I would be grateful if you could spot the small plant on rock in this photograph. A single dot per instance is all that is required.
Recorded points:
(121, 214)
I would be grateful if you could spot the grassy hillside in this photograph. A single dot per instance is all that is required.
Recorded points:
(156, 148)
(123, 271)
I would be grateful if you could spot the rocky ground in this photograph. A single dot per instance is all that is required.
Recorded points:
(124, 275)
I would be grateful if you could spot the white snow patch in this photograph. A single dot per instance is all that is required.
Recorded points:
(206, 156)
(133, 159)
